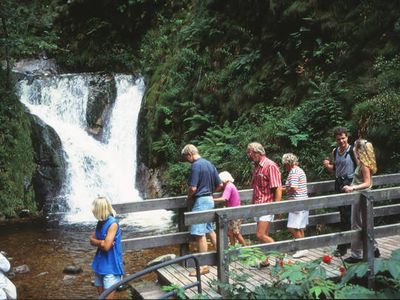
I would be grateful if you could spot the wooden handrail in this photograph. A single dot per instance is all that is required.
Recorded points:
(248, 211)
(320, 187)
(222, 215)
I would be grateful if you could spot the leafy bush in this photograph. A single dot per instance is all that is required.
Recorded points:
(16, 155)
(378, 120)
(309, 280)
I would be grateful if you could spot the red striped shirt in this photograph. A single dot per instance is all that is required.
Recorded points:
(266, 175)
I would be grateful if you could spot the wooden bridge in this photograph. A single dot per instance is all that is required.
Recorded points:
(378, 202)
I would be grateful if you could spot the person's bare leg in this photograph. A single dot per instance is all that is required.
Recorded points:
(263, 232)
(100, 289)
(202, 243)
(231, 236)
(202, 247)
(296, 233)
(240, 238)
(213, 238)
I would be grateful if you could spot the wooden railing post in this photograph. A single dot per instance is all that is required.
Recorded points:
(222, 258)
(184, 248)
(367, 211)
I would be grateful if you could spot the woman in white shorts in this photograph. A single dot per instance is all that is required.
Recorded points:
(296, 189)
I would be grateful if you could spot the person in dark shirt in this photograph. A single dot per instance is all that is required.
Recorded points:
(343, 165)
(202, 182)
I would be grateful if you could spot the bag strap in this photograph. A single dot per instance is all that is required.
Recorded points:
(349, 151)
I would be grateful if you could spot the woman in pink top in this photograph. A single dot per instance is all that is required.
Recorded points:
(231, 198)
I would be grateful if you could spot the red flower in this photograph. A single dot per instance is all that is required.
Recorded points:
(281, 263)
(327, 259)
(342, 270)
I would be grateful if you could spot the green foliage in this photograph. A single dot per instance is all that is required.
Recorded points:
(27, 28)
(377, 119)
(308, 280)
(176, 178)
(388, 73)
(16, 155)
(180, 292)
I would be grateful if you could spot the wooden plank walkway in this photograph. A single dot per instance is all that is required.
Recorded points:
(176, 274)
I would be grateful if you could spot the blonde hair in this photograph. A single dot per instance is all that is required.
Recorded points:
(225, 176)
(190, 149)
(102, 209)
(256, 147)
(290, 159)
(366, 154)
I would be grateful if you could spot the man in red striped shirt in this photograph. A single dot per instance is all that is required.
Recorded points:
(267, 187)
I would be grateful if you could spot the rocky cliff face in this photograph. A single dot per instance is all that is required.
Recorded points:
(149, 182)
(50, 164)
(102, 94)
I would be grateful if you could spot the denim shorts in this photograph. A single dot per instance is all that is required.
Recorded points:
(200, 204)
(106, 280)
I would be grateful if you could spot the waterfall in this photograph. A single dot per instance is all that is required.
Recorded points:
(94, 168)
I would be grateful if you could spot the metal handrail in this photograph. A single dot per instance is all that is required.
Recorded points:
(197, 283)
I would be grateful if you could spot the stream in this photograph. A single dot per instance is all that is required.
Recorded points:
(48, 250)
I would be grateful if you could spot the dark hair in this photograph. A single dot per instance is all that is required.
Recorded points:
(339, 131)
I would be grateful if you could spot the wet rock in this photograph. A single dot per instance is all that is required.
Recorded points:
(68, 279)
(49, 156)
(150, 180)
(72, 269)
(102, 95)
(11, 275)
(22, 269)
(23, 213)
(35, 67)
(161, 259)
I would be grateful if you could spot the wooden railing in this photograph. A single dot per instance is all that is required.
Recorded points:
(317, 201)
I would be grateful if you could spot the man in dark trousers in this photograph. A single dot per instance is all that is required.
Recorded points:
(203, 181)
(343, 165)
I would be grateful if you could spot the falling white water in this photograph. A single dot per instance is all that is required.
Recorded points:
(94, 168)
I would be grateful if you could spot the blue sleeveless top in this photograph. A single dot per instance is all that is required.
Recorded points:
(108, 262)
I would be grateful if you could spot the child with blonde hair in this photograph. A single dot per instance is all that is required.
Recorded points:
(230, 196)
(107, 263)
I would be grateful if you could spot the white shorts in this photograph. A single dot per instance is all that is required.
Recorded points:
(298, 219)
(266, 218)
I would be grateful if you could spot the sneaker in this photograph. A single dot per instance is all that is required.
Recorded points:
(300, 253)
(353, 260)
(377, 253)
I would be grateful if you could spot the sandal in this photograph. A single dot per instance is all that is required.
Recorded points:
(203, 270)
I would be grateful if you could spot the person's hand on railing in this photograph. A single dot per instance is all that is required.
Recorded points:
(348, 189)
